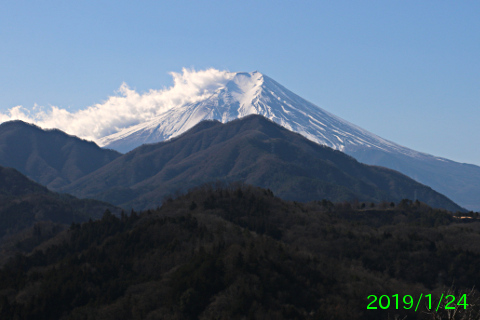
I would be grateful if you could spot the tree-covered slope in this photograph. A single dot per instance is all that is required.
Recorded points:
(49, 157)
(23, 203)
(236, 252)
(253, 150)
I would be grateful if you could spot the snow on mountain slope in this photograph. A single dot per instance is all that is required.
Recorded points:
(252, 93)
(228, 96)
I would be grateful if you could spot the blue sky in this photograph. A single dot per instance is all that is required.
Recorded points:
(408, 71)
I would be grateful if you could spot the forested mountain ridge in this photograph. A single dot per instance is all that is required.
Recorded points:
(253, 150)
(49, 157)
(230, 252)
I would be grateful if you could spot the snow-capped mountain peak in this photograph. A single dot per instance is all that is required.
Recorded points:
(240, 94)
(236, 97)
(126, 121)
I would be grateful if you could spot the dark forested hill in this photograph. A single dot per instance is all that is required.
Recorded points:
(24, 203)
(253, 150)
(13, 183)
(49, 157)
(238, 252)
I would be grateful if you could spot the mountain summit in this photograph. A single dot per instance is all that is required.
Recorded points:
(243, 94)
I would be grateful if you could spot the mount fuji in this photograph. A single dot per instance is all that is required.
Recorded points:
(245, 94)
(242, 94)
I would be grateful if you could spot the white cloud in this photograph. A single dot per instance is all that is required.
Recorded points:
(126, 109)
